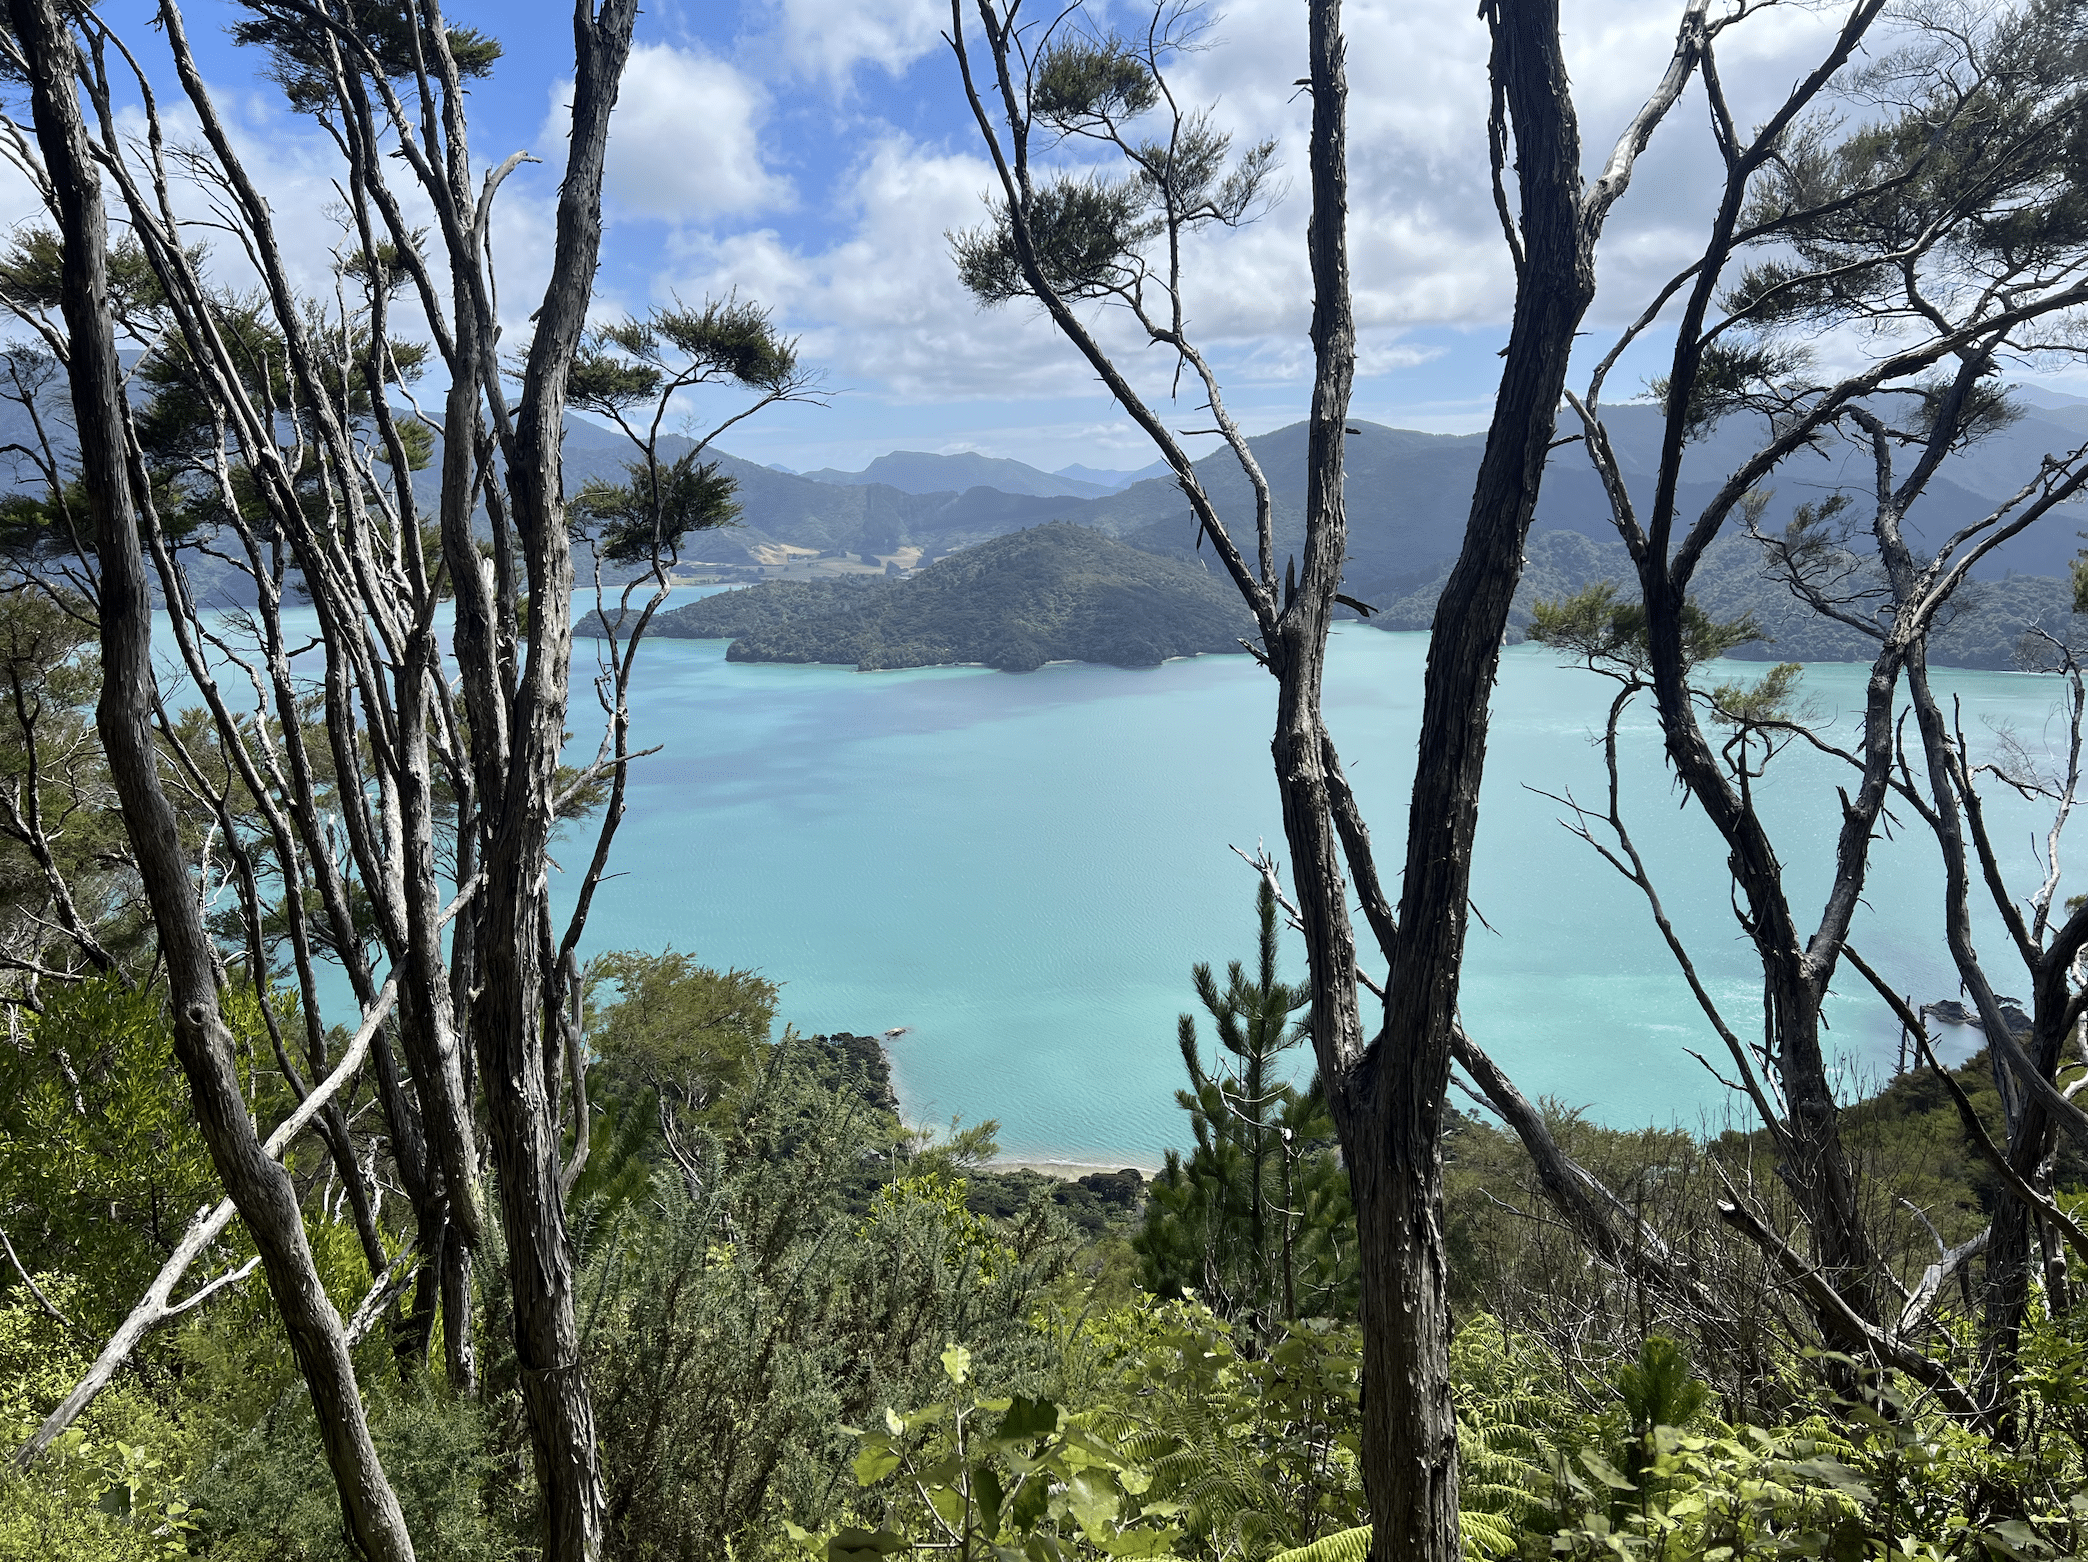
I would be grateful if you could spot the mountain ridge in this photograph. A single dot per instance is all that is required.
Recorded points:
(923, 472)
(1111, 479)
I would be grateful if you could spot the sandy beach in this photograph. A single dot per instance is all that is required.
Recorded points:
(1073, 1171)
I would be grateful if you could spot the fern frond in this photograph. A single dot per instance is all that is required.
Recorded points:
(1488, 1536)
(1349, 1545)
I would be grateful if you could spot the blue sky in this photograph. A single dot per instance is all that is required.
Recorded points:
(812, 153)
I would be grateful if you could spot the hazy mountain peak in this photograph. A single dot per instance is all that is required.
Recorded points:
(2045, 398)
(922, 472)
(1111, 480)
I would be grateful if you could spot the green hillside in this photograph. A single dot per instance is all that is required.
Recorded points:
(1052, 593)
(1984, 629)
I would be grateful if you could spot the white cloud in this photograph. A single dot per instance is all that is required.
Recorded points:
(882, 305)
(1426, 248)
(704, 154)
(830, 38)
(685, 141)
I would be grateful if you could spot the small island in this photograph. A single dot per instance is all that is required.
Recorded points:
(1052, 593)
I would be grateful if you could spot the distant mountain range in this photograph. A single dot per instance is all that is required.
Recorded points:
(1408, 493)
(1060, 592)
(1113, 480)
(784, 513)
(919, 472)
(1989, 620)
(1407, 496)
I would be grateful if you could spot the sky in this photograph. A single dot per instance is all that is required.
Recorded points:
(813, 155)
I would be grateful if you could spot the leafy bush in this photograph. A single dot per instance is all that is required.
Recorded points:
(90, 1502)
(1257, 1449)
(109, 1489)
(101, 1164)
(467, 1491)
(981, 1478)
(758, 1298)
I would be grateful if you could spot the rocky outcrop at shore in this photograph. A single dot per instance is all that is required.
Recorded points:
(858, 1063)
(1951, 1012)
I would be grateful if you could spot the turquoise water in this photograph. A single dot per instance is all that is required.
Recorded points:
(1021, 869)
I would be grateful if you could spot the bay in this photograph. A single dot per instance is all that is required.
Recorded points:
(1020, 870)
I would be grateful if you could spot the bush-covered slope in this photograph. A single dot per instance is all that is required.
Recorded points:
(1984, 629)
(1052, 593)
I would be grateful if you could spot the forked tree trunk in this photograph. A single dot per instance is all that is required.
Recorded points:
(1397, 1099)
(2032, 1126)
(1386, 1093)
(1796, 971)
(1815, 1166)
(513, 1033)
(260, 1188)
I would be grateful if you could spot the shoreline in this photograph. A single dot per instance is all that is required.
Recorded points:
(1073, 1171)
(1070, 1167)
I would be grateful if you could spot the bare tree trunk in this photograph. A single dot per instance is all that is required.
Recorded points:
(510, 1025)
(1795, 972)
(1397, 1099)
(258, 1186)
(1386, 1094)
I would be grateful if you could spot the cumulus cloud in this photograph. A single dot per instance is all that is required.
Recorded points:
(1425, 241)
(874, 292)
(831, 38)
(882, 305)
(820, 162)
(685, 143)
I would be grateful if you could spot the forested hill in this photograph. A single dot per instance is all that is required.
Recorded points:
(1407, 493)
(1066, 593)
(1407, 496)
(1051, 593)
(1984, 629)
